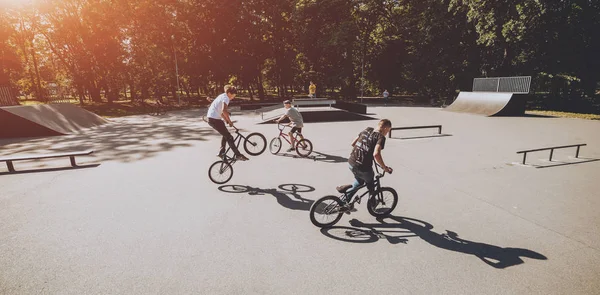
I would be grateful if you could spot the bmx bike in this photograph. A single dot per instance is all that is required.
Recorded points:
(254, 144)
(303, 146)
(328, 210)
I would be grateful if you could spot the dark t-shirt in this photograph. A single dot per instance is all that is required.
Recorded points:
(362, 154)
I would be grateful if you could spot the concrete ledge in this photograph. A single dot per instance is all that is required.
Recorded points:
(351, 107)
(313, 102)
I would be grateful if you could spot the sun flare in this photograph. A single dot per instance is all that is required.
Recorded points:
(15, 3)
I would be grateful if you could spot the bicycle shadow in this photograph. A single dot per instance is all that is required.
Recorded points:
(282, 194)
(358, 235)
(315, 156)
(492, 255)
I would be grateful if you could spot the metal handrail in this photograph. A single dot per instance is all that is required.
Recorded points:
(439, 127)
(552, 150)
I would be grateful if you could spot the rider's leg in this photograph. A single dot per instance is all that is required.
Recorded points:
(351, 191)
(358, 181)
(219, 125)
(292, 139)
(299, 132)
(365, 177)
(223, 143)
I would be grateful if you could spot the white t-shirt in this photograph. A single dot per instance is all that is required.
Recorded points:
(216, 107)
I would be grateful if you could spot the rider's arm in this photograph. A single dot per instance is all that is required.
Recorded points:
(379, 159)
(225, 114)
(282, 117)
(355, 140)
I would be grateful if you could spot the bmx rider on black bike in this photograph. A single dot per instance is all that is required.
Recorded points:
(367, 147)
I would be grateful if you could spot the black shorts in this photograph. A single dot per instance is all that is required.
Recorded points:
(296, 129)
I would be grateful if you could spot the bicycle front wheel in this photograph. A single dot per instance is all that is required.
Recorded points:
(220, 172)
(383, 202)
(304, 147)
(255, 144)
(325, 212)
(275, 145)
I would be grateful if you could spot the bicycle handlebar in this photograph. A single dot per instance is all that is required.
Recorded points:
(381, 174)
(281, 126)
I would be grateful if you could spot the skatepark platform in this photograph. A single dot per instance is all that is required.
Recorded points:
(45, 120)
(316, 115)
(318, 110)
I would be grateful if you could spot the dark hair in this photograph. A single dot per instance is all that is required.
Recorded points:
(385, 123)
(231, 90)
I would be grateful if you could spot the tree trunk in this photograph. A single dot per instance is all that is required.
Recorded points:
(37, 81)
(145, 93)
(250, 92)
(111, 95)
(175, 94)
(261, 89)
(505, 69)
(186, 88)
(80, 92)
(132, 91)
(94, 92)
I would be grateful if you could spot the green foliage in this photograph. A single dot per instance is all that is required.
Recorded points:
(104, 50)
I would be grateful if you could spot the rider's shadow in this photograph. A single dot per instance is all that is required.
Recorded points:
(282, 194)
(317, 156)
(495, 256)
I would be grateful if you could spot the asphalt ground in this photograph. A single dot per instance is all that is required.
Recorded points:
(147, 220)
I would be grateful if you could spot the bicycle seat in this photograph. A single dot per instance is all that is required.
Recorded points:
(343, 188)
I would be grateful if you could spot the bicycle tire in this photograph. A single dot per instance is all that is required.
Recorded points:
(220, 172)
(390, 199)
(331, 209)
(257, 142)
(275, 145)
(301, 151)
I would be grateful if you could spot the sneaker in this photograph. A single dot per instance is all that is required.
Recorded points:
(343, 188)
(221, 155)
(291, 149)
(241, 157)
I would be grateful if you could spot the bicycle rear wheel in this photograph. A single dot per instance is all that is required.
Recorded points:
(304, 147)
(325, 211)
(255, 144)
(383, 202)
(220, 172)
(275, 145)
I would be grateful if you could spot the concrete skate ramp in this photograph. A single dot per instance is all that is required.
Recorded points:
(45, 120)
(488, 104)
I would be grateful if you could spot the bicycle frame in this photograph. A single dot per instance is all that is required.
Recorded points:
(285, 135)
(376, 184)
(237, 140)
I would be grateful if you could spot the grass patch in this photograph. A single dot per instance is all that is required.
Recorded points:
(564, 114)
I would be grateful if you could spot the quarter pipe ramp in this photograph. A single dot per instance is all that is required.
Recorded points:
(488, 104)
